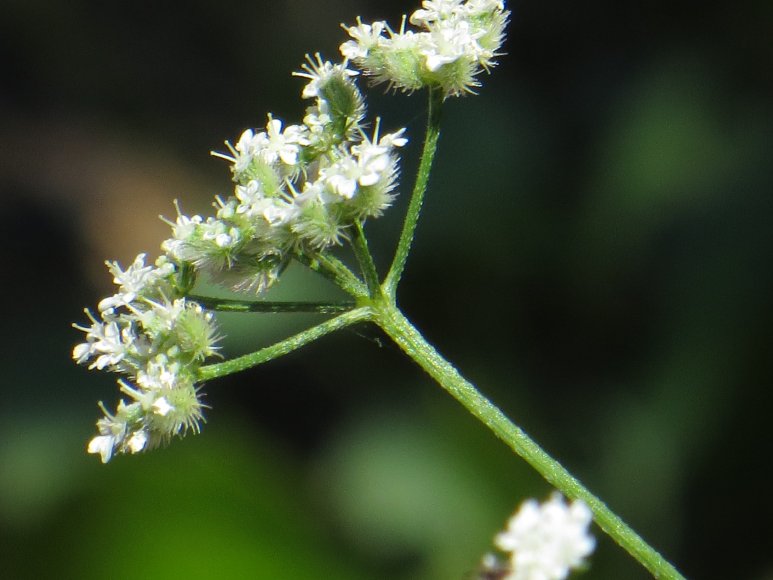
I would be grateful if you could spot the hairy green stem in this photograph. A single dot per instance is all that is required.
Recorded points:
(378, 304)
(285, 346)
(336, 271)
(230, 305)
(417, 197)
(365, 260)
(405, 335)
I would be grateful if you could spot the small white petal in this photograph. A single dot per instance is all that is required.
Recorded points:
(81, 351)
(369, 179)
(162, 407)
(137, 441)
(102, 444)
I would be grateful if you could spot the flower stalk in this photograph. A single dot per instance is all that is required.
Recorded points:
(365, 260)
(231, 305)
(417, 197)
(335, 271)
(283, 347)
(392, 321)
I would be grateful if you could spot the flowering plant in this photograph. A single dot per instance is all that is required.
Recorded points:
(301, 191)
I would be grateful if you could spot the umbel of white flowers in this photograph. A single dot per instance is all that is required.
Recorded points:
(545, 541)
(149, 332)
(456, 40)
(299, 189)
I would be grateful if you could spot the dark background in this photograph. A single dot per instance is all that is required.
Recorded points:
(595, 253)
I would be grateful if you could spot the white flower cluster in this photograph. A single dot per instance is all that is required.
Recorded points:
(545, 541)
(150, 333)
(299, 188)
(456, 42)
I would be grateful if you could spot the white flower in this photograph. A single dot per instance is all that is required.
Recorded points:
(341, 178)
(183, 229)
(109, 342)
(271, 211)
(373, 160)
(370, 162)
(433, 10)
(246, 149)
(278, 213)
(137, 280)
(162, 407)
(402, 41)
(103, 445)
(137, 441)
(447, 43)
(223, 235)
(161, 317)
(395, 139)
(248, 195)
(284, 145)
(317, 120)
(143, 401)
(366, 36)
(547, 540)
(319, 72)
(158, 374)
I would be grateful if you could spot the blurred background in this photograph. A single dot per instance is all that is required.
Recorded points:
(595, 253)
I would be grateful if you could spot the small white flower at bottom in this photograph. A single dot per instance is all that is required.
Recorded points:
(547, 540)
(137, 441)
(102, 444)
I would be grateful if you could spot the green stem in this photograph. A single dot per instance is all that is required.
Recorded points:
(365, 259)
(284, 347)
(336, 271)
(229, 305)
(392, 321)
(417, 197)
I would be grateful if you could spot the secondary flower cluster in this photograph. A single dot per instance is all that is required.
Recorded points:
(545, 541)
(299, 188)
(150, 333)
(456, 41)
